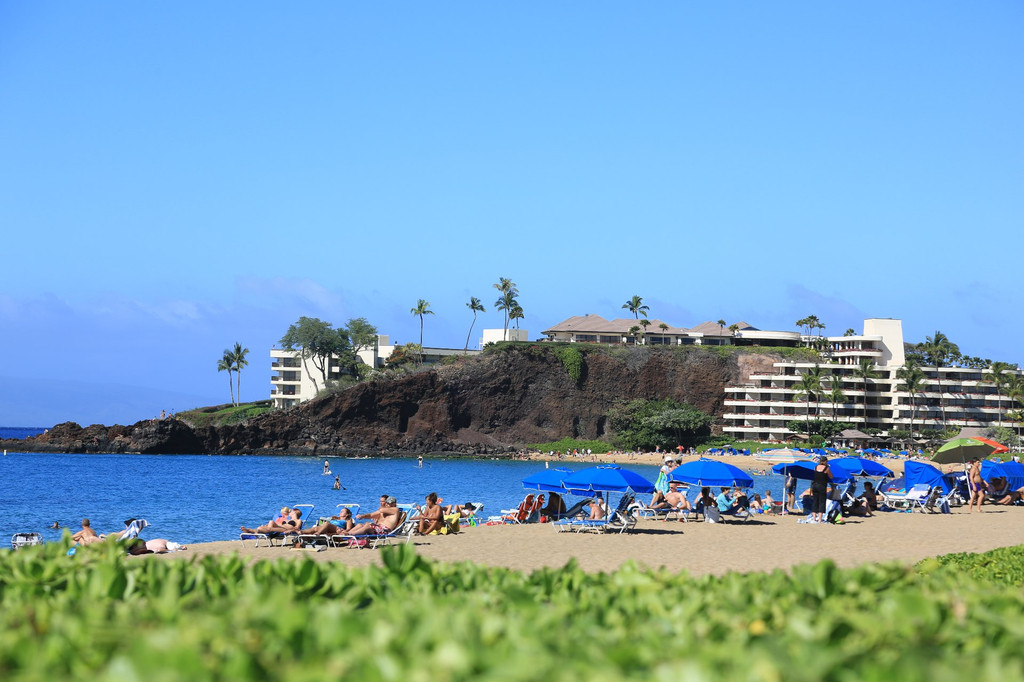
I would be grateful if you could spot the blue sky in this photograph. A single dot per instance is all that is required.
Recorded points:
(176, 177)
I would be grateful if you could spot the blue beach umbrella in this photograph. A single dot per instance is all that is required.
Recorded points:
(606, 478)
(710, 472)
(859, 466)
(804, 470)
(917, 473)
(548, 479)
(1014, 474)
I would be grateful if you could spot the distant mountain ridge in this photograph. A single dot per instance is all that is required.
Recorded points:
(486, 404)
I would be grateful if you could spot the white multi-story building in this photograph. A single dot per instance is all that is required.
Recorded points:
(952, 396)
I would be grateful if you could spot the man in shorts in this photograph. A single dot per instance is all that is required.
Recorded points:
(380, 522)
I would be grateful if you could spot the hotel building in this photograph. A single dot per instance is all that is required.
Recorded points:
(760, 406)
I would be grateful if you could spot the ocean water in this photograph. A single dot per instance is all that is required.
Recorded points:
(202, 498)
(19, 432)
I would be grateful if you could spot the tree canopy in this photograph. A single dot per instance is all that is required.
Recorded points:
(646, 424)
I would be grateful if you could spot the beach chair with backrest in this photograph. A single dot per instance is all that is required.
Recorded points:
(403, 531)
(909, 499)
(618, 520)
(521, 513)
(562, 521)
(280, 538)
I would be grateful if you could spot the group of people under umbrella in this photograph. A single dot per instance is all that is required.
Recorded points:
(825, 476)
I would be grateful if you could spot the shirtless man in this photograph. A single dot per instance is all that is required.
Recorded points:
(596, 509)
(430, 516)
(87, 535)
(976, 484)
(382, 521)
(677, 499)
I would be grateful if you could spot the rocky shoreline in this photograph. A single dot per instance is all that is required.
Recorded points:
(488, 405)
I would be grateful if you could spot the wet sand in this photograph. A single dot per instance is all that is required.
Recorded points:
(763, 543)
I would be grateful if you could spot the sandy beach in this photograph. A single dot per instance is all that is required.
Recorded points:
(764, 543)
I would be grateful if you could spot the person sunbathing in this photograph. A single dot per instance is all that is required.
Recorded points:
(1000, 493)
(289, 523)
(596, 510)
(162, 546)
(870, 496)
(87, 535)
(676, 499)
(380, 522)
(344, 525)
(431, 516)
(555, 506)
(659, 501)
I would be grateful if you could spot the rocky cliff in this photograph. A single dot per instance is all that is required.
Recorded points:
(484, 404)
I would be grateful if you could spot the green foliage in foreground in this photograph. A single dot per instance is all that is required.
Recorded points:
(100, 616)
(570, 444)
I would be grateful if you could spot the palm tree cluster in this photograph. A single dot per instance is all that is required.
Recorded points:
(508, 303)
(234, 360)
(636, 306)
(809, 324)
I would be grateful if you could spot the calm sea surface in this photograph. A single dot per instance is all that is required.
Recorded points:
(202, 498)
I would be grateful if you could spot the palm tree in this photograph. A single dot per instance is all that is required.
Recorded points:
(507, 300)
(228, 363)
(999, 377)
(849, 332)
(721, 327)
(636, 306)
(866, 372)
(808, 385)
(507, 303)
(238, 355)
(913, 381)
(802, 323)
(477, 307)
(645, 323)
(835, 394)
(422, 308)
(814, 323)
(734, 328)
(516, 314)
(938, 349)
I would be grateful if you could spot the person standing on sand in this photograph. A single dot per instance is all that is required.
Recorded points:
(976, 483)
(790, 499)
(819, 489)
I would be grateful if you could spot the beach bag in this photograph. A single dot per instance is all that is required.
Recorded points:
(357, 542)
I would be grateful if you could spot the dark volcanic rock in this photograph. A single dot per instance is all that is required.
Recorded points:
(491, 403)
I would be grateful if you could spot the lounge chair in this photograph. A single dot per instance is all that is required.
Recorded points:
(521, 513)
(404, 530)
(564, 520)
(269, 538)
(909, 499)
(619, 520)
